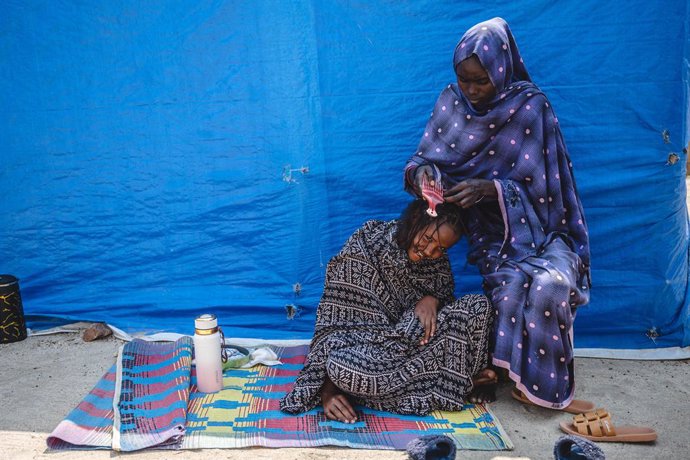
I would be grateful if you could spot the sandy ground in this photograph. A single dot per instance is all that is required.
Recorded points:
(44, 377)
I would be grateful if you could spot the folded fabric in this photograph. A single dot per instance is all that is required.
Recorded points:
(432, 447)
(242, 358)
(151, 394)
(573, 447)
(263, 355)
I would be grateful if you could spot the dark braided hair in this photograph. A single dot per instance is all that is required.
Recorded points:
(414, 219)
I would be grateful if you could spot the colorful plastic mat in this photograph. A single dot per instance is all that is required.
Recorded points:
(246, 414)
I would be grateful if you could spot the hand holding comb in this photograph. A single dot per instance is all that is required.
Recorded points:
(432, 191)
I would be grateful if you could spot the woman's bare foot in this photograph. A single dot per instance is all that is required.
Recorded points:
(503, 374)
(484, 390)
(336, 406)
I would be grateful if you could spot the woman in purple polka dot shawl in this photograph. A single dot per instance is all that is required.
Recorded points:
(495, 144)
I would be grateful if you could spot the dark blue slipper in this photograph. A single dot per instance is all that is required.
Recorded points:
(576, 448)
(431, 447)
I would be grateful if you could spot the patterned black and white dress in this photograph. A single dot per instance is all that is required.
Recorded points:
(367, 337)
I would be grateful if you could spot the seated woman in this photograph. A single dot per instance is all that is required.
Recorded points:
(494, 142)
(389, 334)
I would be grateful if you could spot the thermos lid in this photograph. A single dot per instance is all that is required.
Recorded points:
(7, 280)
(207, 321)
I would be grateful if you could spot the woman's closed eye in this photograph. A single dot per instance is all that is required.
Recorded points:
(481, 81)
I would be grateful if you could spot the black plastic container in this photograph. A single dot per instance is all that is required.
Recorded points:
(12, 325)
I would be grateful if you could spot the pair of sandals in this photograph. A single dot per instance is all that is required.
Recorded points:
(595, 424)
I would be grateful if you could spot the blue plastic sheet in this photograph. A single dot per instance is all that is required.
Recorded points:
(165, 159)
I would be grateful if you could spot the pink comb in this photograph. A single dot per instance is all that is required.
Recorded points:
(432, 191)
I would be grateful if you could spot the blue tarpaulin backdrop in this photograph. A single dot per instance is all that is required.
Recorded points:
(164, 159)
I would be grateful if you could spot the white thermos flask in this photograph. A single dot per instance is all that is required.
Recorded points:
(207, 347)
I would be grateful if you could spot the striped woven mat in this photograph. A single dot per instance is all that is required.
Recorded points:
(160, 385)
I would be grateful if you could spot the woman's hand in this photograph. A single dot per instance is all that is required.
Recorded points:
(470, 192)
(419, 174)
(335, 404)
(425, 311)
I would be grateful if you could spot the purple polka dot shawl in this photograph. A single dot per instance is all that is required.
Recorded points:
(517, 143)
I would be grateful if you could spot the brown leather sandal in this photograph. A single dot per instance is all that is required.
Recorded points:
(597, 426)
(577, 406)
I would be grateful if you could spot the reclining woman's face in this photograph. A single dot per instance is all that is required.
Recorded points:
(432, 242)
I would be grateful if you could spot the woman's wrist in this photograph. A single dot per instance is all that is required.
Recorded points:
(489, 190)
(429, 300)
(412, 181)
